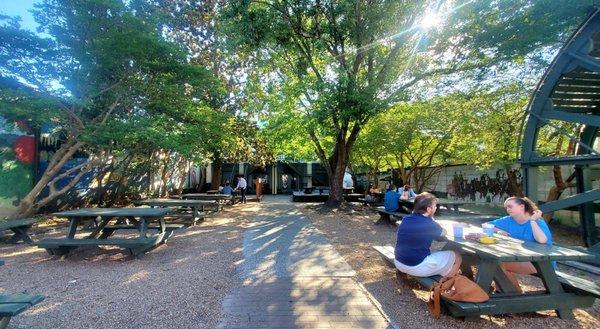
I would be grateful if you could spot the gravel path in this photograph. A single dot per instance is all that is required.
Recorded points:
(178, 285)
(353, 234)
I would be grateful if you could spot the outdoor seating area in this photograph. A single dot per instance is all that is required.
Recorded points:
(300, 164)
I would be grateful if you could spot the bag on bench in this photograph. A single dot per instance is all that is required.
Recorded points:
(458, 288)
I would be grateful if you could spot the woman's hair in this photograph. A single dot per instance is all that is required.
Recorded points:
(530, 206)
(406, 187)
(392, 187)
(424, 201)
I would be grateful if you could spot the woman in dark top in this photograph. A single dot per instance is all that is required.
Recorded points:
(415, 234)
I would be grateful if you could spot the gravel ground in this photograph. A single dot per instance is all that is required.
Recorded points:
(177, 285)
(353, 234)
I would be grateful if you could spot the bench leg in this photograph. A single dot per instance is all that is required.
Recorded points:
(4, 321)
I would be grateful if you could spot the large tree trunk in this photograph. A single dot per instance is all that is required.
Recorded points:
(338, 163)
(217, 173)
(27, 205)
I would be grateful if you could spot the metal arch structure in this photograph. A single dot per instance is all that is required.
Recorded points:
(569, 91)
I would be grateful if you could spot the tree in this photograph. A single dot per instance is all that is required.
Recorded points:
(196, 27)
(349, 60)
(102, 65)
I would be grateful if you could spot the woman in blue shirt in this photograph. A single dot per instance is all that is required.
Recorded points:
(524, 222)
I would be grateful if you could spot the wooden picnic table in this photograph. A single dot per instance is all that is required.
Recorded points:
(141, 219)
(197, 206)
(212, 192)
(487, 259)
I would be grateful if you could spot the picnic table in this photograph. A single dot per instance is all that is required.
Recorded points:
(197, 206)
(212, 192)
(562, 294)
(141, 219)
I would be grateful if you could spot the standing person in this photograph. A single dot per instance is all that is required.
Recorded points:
(242, 185)
(413, 242)
(524, 222)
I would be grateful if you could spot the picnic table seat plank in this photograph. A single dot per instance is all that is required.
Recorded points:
(12, 309)
(387, 215)
(21, 298)
(578, 285)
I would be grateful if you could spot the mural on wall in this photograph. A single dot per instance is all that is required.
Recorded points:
(483, 187)
(17, 154)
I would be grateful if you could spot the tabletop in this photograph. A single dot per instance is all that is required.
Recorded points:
(510, 249)
(208, 196)
(124, 212)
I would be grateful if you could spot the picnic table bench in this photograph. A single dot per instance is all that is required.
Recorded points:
(385, 215)
(15, 304)
(19, 227)
(562, 293)
(140, 219)
(219, 198)
(197, 206)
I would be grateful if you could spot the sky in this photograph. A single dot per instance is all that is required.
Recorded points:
(20, 8)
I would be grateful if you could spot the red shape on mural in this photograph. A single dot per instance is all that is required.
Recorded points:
(25, 149)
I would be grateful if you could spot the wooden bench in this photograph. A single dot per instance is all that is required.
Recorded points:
(387, 215)
(63, 246)
(19, 228)
(578, 285)
(587, 290)
(15, 304)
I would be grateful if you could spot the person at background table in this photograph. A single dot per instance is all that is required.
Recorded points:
(369, 197)
(227, 190)
(524, 222)
(406, 192)
(242, 185)
(413, 242)
(390, 199)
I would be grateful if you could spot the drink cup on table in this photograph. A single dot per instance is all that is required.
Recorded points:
(457, 229)
(488, 229)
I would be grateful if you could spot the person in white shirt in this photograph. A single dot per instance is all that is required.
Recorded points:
(242, 185)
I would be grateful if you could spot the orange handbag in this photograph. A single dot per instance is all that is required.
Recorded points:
(458, 288)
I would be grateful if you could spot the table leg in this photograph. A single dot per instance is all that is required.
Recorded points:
(503, 284)
(100, 227)
(72, 227)
(20, 234)
(550, 280)
(143, 227)
(486, 269)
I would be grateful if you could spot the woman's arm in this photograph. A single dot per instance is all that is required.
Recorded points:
(538, 234)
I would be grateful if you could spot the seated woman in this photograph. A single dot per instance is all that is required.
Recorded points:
(415, 234)
(369, 197)
(524, 222)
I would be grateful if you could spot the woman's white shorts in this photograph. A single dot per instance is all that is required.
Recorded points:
(438, 263)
